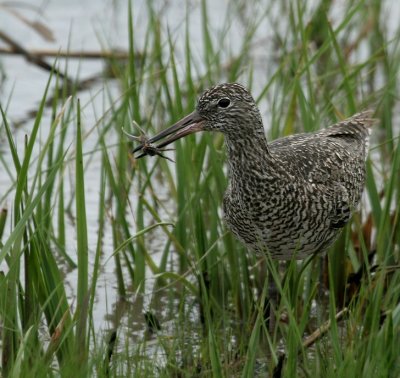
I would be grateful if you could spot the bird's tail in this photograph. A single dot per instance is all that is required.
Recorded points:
(357, 126)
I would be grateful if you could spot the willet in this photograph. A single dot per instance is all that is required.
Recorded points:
(289, 198)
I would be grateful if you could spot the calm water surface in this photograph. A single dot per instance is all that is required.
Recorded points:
(79, 25)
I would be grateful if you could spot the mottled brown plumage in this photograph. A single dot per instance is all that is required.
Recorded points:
(291, 197)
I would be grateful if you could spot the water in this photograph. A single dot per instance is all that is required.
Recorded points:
(76, 25)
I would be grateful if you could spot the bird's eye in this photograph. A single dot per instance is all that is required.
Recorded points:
(224, 102)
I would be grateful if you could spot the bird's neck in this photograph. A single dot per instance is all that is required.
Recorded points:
(248, 153)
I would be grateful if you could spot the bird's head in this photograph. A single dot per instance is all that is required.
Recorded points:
(228, 108)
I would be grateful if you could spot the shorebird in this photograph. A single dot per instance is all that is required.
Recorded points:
(291, 197)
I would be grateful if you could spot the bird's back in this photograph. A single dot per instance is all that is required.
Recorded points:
(333, 155)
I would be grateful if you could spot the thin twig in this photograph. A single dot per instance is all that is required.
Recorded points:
(43, 53)
(30, 57)
(321, 331)
(310, 340)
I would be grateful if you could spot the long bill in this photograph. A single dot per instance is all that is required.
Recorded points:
(190, 124)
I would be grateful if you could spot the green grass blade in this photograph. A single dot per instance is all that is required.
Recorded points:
(82, 247)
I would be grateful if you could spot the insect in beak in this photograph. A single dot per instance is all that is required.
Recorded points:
(190, 124)
(148, 148)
